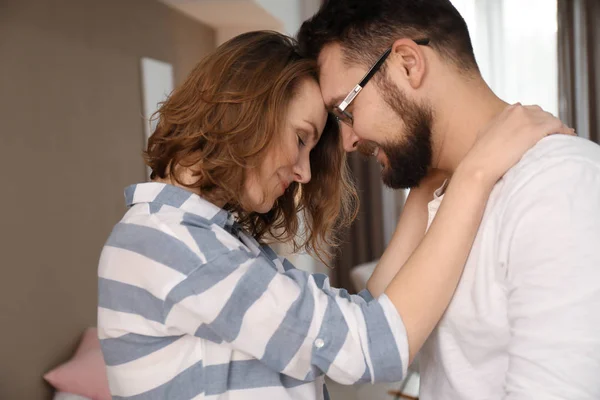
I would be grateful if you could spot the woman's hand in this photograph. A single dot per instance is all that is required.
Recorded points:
(503, 142)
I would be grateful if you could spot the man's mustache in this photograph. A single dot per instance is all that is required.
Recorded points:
(366, 147)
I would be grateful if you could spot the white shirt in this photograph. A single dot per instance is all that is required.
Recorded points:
(525, 320)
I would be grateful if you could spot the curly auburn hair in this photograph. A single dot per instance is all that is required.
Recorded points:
(221, 121)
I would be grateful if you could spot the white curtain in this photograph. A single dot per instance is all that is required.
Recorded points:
(515, 45)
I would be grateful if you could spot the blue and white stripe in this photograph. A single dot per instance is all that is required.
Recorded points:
(192, 307)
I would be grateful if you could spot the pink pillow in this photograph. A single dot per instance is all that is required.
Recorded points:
(85, 373)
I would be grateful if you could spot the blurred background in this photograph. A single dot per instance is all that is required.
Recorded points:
(78, 80)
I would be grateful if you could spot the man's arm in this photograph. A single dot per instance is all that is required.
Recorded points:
(553, 284)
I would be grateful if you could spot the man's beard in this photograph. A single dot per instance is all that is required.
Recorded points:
(410, 156)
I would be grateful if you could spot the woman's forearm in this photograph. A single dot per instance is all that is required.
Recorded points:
(406, 238)
(408, 234)
(423, 288)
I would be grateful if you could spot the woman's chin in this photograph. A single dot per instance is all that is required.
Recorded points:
(264, 207)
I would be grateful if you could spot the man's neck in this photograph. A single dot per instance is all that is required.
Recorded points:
(459, 119)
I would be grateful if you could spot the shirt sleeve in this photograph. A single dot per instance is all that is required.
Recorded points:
(294, 322)
(553, 285)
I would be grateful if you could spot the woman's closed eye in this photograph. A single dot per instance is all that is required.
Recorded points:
(301, 141)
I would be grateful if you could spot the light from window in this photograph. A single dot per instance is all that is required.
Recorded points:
(515, 45)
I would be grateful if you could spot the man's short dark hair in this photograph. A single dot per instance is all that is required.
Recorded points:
(366, 28)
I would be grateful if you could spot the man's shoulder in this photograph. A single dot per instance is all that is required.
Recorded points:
(559, 148)
(559, 156)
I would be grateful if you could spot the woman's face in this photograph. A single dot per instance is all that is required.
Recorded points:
(288, 160)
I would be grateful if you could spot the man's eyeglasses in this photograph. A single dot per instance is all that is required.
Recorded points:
(340, 111)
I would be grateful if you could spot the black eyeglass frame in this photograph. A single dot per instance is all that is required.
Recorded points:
(339, 111)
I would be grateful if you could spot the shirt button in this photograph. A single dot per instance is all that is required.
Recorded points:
(319, 343)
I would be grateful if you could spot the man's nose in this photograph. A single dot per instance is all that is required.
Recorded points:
(350, 139)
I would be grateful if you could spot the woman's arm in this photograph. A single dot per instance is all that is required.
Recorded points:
(423, 287)
(408, 234)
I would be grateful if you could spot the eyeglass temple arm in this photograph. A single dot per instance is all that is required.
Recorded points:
(384, 56)
(369, 75)
(342, 106)
(375, 68)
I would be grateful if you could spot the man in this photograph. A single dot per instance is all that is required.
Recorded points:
(525, 320)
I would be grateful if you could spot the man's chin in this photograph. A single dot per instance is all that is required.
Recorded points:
(387, 180)
(396, 183)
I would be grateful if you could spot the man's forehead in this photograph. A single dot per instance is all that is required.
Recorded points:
(334, 74)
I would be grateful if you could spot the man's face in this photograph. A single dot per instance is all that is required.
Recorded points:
(387, 124)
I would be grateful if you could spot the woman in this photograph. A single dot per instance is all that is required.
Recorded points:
(193, 304)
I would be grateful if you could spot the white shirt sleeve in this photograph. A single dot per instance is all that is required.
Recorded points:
(553, 284)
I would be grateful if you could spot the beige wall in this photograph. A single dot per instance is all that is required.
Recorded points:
(71, 136)
(226, 33)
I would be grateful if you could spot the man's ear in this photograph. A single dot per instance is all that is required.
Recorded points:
(408, 58)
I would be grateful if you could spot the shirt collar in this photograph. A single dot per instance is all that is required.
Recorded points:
(158, 194)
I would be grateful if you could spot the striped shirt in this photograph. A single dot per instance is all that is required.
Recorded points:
(192, 307)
